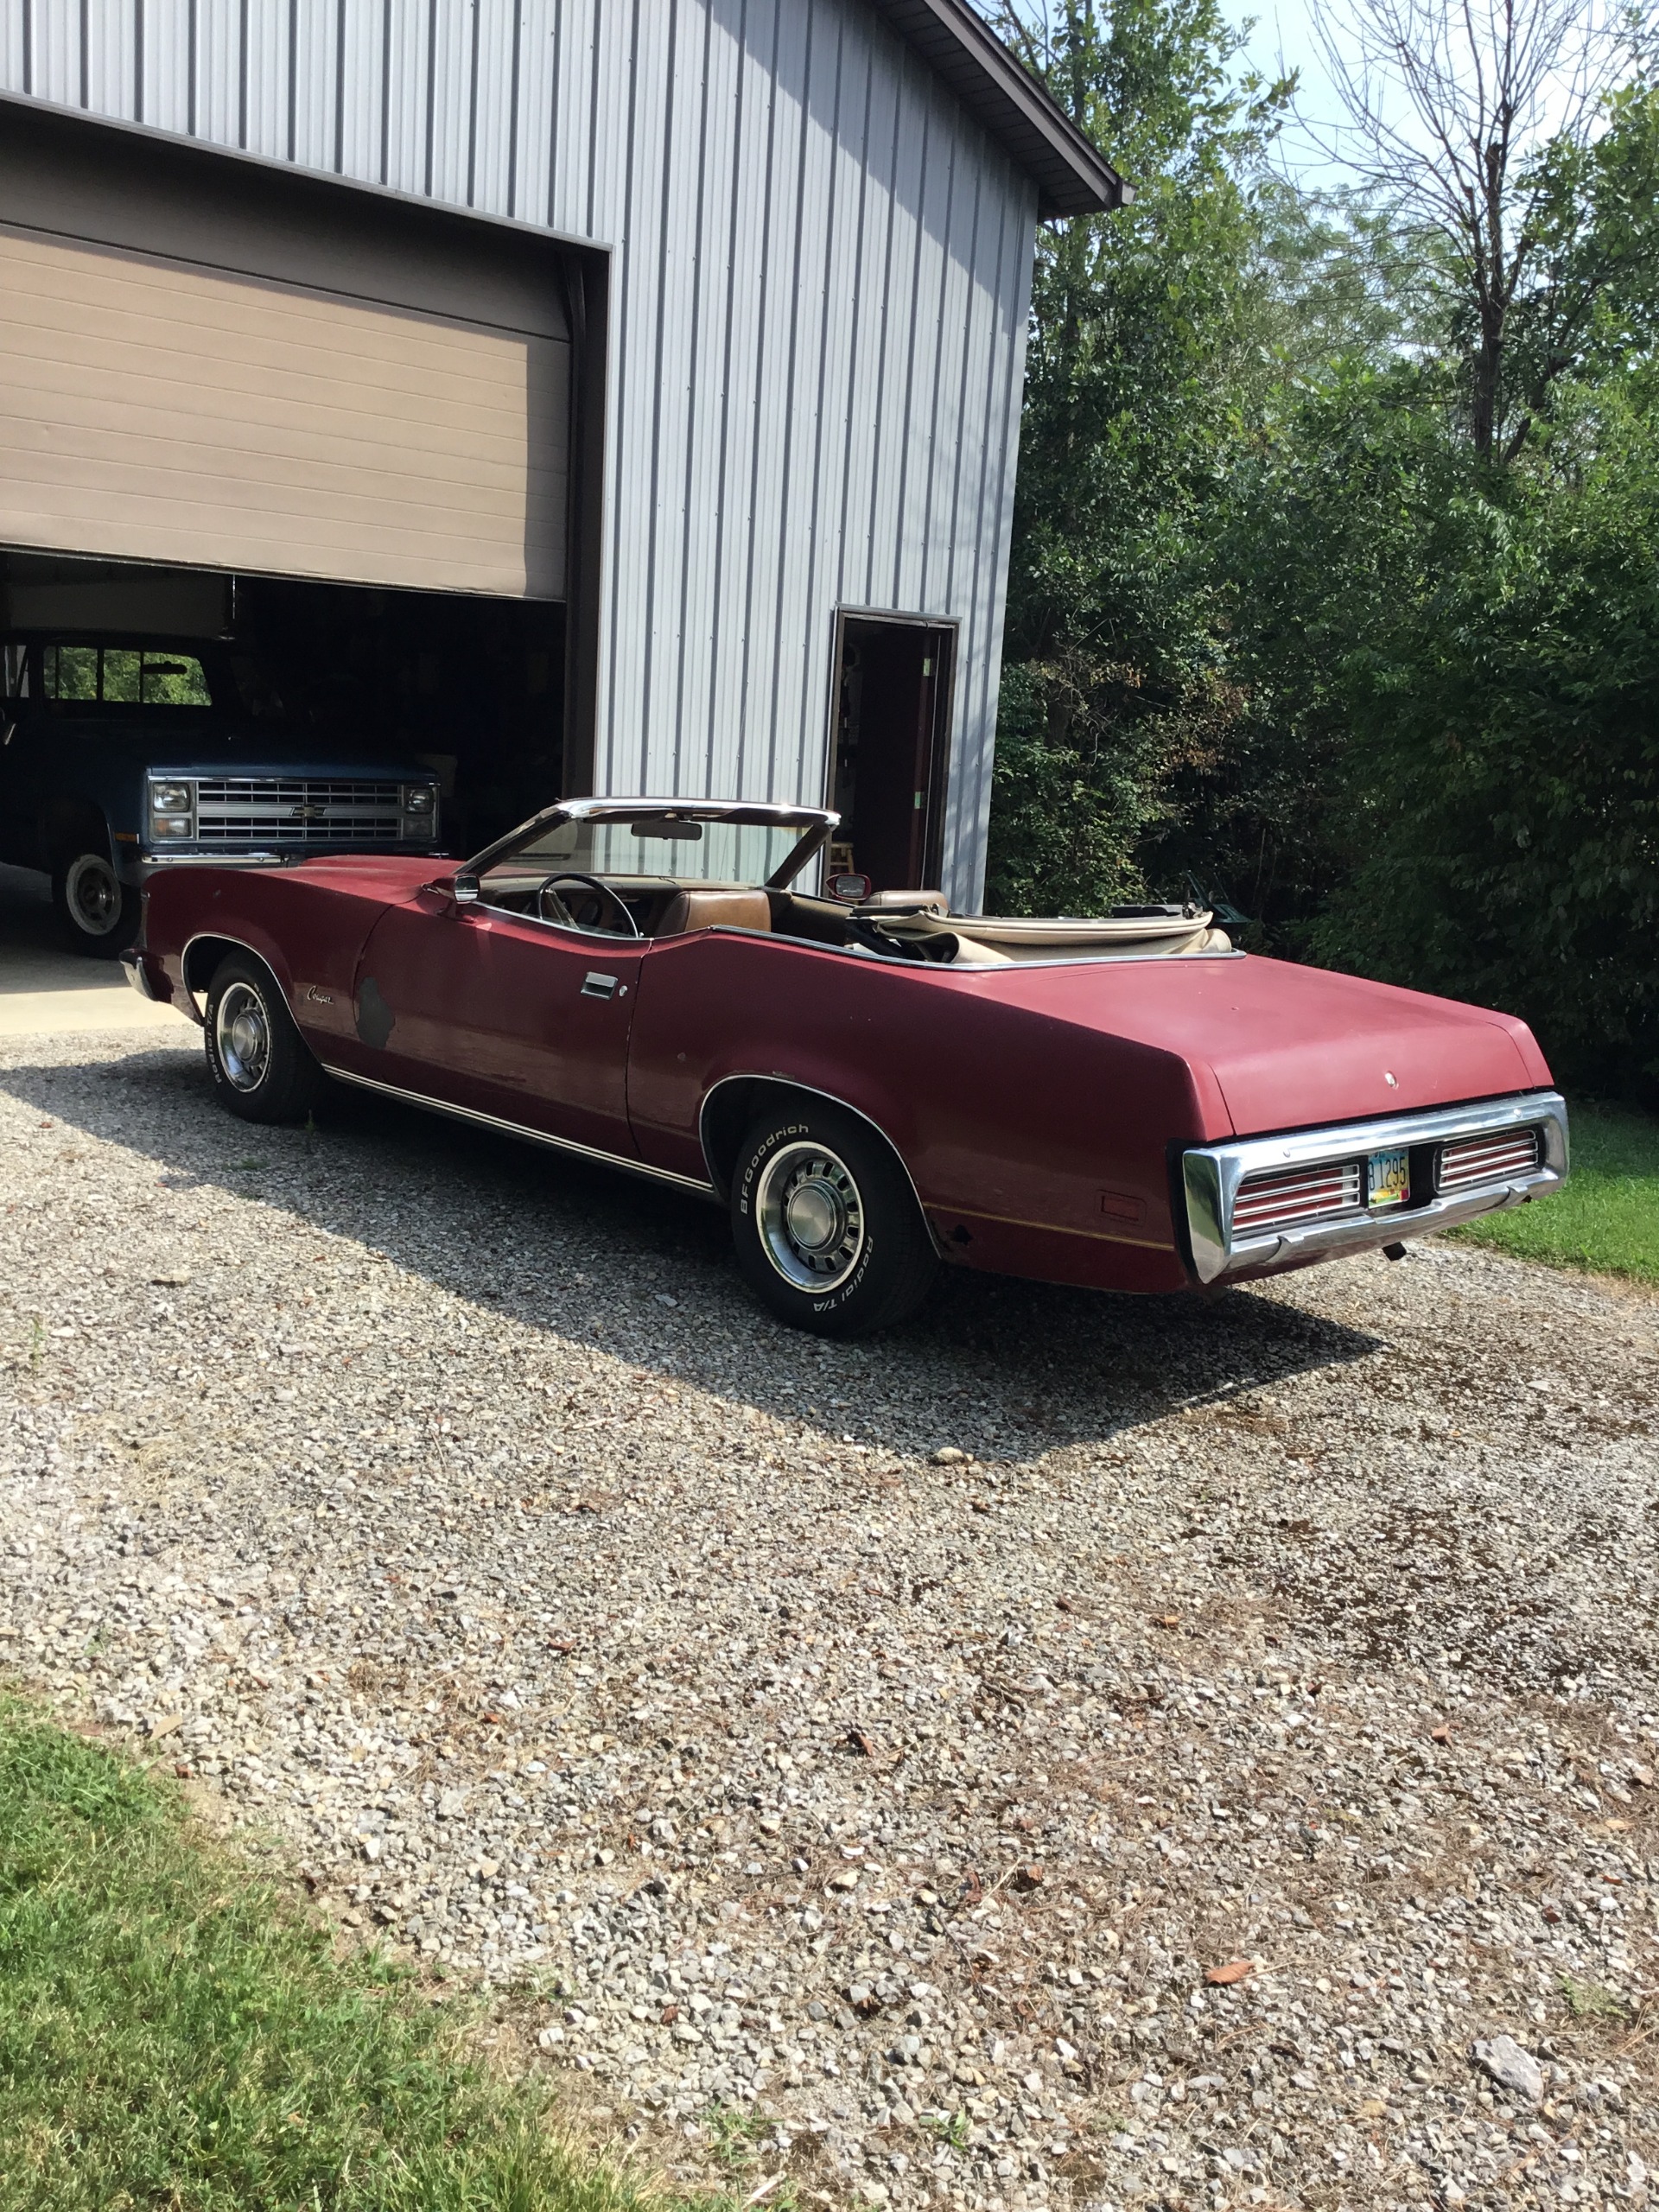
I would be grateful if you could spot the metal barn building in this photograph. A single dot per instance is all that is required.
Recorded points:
(646, 372)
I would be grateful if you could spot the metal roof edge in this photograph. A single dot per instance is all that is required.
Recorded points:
(1072, 176)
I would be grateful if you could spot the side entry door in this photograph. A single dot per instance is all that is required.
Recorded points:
(518, 1020)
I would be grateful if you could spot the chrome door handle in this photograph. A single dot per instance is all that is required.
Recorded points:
(596, 986)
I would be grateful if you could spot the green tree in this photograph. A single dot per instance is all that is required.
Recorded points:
(1140, 341)
(1502, 774)
(1457, 650)
(1334, 575)
(1478, 127)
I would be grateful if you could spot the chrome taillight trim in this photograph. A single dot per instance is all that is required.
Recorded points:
(1467, 1162)
(1290, 1196)
(1213, 1174)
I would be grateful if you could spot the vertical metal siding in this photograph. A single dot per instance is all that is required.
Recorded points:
(820, 283)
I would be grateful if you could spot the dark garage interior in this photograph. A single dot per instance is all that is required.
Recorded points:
(470, 686)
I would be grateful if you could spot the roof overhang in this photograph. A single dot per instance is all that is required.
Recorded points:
(1072, 176)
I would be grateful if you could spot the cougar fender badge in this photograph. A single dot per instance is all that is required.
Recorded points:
(374, 1017)
(320, 998)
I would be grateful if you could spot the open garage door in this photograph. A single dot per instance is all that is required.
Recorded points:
(275, 375)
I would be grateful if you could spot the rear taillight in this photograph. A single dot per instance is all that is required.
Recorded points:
(1287, 1197)
(1469, 1160)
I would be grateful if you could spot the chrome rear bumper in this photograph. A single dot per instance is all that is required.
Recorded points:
(1212, 1173)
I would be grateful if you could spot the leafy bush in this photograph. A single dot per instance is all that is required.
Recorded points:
(1503, 775)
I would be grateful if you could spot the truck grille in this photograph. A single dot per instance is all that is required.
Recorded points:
(1287, 1197)
(260, 811)
(1495, 1159)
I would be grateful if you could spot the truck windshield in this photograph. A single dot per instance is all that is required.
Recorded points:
(123, 675)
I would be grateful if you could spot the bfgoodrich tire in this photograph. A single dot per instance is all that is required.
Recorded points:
(260, 1064)
(827, 1228)
(97, 913)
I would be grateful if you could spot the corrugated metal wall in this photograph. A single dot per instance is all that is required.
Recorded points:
(819, 290)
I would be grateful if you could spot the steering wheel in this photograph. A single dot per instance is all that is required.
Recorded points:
(549, 891)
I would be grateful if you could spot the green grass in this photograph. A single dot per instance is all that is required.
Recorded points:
(1607, 1217)
(174, 2034)
(733, 2132)
(1590, 2000)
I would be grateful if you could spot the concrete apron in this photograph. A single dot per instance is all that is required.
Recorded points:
(49, 991)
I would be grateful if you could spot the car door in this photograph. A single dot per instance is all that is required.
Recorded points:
(500, 1014)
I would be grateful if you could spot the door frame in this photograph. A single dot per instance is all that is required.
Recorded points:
(944, 710)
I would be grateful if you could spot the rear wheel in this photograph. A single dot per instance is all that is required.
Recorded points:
(827, 1228)
(99, 912)
(262, 1068)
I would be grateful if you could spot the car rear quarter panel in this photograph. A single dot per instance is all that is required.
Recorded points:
(1038, 1145)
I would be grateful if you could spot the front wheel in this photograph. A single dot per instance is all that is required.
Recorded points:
(99, 912)
(261, 1066)
(827, 1228)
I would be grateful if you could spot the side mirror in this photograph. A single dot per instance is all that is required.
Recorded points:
(850, 888)
(463, 888)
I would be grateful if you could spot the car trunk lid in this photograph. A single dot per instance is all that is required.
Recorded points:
(1289, 1046)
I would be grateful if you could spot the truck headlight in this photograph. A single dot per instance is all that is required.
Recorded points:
(172, 810)
(420, 811)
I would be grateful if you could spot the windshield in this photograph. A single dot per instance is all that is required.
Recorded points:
(748, 852)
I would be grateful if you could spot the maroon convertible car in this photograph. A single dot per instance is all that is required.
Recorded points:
(873, 1088)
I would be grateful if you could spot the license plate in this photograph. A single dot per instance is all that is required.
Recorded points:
(1389, 1179)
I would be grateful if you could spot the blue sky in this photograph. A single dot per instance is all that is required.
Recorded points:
(1283, 39)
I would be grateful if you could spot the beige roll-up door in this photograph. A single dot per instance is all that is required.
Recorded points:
(160, 409)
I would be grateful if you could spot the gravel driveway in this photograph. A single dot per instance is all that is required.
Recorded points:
(860, 1762)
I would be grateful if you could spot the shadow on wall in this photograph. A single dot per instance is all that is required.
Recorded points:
(1001, 1369)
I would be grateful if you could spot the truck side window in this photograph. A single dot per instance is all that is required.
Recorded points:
(70, 672)
(14, 671)
(123, 675)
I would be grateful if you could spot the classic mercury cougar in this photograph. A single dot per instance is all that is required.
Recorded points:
(873, 1086)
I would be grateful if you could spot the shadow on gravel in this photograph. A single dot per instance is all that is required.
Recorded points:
(997, 1367)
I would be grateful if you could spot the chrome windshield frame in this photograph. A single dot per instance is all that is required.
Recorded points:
(814, 823)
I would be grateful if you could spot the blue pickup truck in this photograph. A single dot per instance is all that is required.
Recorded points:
(121, 754)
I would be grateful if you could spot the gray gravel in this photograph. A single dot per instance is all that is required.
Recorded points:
(848, 1764)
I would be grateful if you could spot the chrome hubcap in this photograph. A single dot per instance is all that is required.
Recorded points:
(810, 1216)
(92, 894)
(243, 1033)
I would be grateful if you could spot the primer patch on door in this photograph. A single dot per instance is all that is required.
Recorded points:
(374, 1017)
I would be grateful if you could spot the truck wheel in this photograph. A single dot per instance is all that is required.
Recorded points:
(262, 1068)
(827, 1228)
(99, 912)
